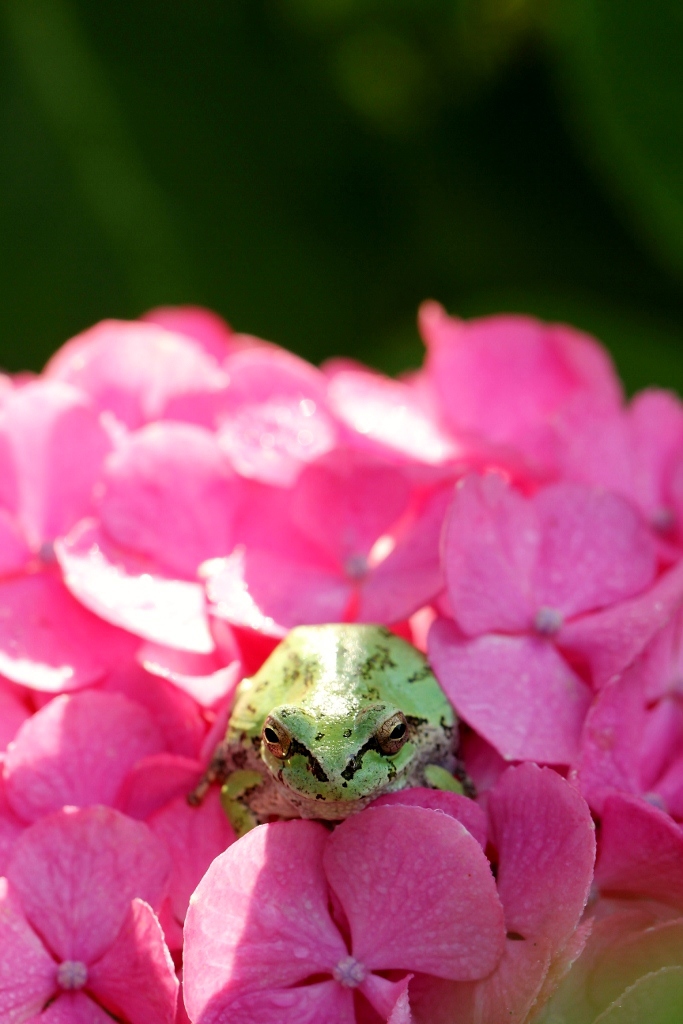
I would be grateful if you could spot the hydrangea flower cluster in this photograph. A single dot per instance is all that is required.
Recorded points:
(174, 498)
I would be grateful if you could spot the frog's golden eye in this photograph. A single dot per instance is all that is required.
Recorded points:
(392, 734)
(276, 737)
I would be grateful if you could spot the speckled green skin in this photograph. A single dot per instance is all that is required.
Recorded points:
(331, 687)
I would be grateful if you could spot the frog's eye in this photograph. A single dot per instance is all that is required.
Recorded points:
(276, 737)
(392, 734)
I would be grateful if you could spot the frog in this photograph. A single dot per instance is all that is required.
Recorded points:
(338, 715)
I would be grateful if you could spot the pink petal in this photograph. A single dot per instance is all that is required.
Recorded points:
(611, 639)
(464, 810)
(10, 829)
(517, 692)
(309, 1004)
(388, 414)
(194, 837)
(229, 599)
(130, 593)
(417, 891)
(203, 326)
(595, 549)
(491, 542)
(59, 445)
(272, 441)
(545, 839)
(262, 372)
(72, 1008)
(13, 713)
(156, 780)
(61, 861)
(259, 919)
(28, 974)
(48, 641)
(14, 551)
(641, 852)
(505, 376)
(135, 978)
(411, 574)
(136, 369)
(389, 998)
(143, 509)
(77, 750)
(201, 676)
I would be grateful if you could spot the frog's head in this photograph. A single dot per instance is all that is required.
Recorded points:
(346, 713)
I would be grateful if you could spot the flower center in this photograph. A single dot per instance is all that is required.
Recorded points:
(548, 621)
(72, 974)
(356, 567)
(349, 972)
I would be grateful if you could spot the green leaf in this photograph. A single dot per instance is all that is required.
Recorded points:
(656, 999)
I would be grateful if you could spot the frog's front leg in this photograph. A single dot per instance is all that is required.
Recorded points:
(235, 792)
(458, 782)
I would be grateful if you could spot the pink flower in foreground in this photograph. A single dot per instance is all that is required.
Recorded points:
(78, 934)
(294, 924)
(528, 579)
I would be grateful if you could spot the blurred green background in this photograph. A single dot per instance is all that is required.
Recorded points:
(313, 169)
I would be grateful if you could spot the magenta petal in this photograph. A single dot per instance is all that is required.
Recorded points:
(203, 326)
(13, 714)
(27, 971)
(77, 750)
(611, 639)
(417, 891)
(143, 508)
(14, 551)
(72, 1008)
(201, 676)
(61, 861)
(464, 810)
(517, 692)
(135, 978)
(325, 1002)
(194, 837)
(389, 998)
(491, 542)
(133, 595)
(48, 641)
(595, 549)
(59, 446)
(641, 852)
(156, 780)
(10, 829)
(259, 919)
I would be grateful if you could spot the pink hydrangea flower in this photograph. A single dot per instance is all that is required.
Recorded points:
(526, 578)
(78, 934)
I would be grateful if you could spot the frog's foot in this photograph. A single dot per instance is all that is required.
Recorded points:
(237, 785)
(459, 782)
(217, 771)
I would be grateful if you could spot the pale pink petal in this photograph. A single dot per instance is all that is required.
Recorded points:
(417, 891)
(229, 598)
(202, 676)
(14, 551)
(129, 592)
(595, 549)
(13, 713)
(411, 574)
(143, 508)
(641, 852)
(136, 369)
(49, 641)
(543, 832)
(324, 1001)
(72, 1008)
(389, 998)
(156, 780)
(272, 441)
(259, 919)
(388, 414)
(203, 326)
(178, 716)
(345, 501)
(28, 974)
(77, 750)
(135, 978)
(490, 545)
(59, 446)
(194, 837)
(464, 810)
(611, 639)
(505, 376)
(262, 372)
(59, 863)
(517, 692)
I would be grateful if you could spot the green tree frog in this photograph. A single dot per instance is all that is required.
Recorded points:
(336, 716)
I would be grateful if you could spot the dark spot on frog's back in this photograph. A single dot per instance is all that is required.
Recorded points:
(422, 673)
(377, 662)
(321, 736)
